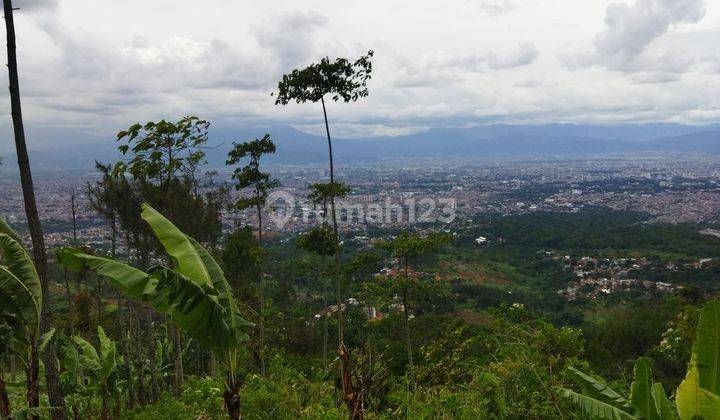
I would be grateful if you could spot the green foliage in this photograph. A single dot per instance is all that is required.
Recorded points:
(343, 79)
(196, 296)
(250, 175)
(647, 399)
(319, 240)
(162, 149)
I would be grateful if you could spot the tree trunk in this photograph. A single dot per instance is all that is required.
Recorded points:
(351, 395)
(231, 398)
(325, 314)
(98, 292)
(261, 297)
(154, 386)
(105, 413)
(138, 359)
(13, 368)
(336, 234)
(32, 378)
(4, 400)
(36, 234)
(408, 340)
(177, 352)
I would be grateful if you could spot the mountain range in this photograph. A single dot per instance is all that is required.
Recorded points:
(297, 147)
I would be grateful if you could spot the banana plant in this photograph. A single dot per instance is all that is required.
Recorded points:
(647, 399)
(698, 396)
(194, 294)
(100, 366)
(20, 305)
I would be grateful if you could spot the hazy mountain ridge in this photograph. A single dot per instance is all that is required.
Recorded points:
(298, 147)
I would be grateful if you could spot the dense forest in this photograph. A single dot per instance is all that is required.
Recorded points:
(178, 317)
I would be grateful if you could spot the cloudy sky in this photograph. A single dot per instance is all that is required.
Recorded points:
(89, 68)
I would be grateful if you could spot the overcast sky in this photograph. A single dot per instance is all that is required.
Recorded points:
(89, 68)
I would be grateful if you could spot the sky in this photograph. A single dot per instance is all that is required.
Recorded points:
(90, 68)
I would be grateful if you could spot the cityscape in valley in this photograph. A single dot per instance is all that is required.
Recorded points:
(667, 188)
(483, 209)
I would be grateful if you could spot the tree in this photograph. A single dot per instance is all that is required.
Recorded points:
(407, 247)
(195, 296)
(241, 257)
(162, 150)
(320, 241)
(31, 212)
(163, 160)
(261, 183)
(343, 80)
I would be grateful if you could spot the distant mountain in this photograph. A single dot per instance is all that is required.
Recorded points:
(297, 147)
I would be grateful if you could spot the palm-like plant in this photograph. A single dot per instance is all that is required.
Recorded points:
(647, 398)
(100, 365)
(20, 305)
(194, 294)
(697, 397)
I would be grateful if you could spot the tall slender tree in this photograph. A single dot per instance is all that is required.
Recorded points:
(319, 240)
(261, 183)
(405, 248)
(36, 233)
(344, 80)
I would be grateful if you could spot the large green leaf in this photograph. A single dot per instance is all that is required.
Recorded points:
(225, 296)
(694, 402)
(18, 262)
(193, 308)
(663, 406)
(6, 229)
(707, 347)
(598, 390)
(641, 395)
(594, 408)
(18, 306)
(129, 279)
(88, 356)
(108, 353)
(178, 246)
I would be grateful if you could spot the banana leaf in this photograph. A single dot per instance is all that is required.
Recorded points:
(178, 246)
(593, 388)
(18, 262)
(707, 347)
(641, 390)
(594, 408)
(18, 307)
(692, 401)
(193, 308)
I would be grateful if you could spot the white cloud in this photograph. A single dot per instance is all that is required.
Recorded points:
(93, 67)
(628, 43)
(630, 29)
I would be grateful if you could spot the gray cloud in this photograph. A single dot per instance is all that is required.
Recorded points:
(628, 42)
(525, 54)
(290, 38)
(630, 29)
